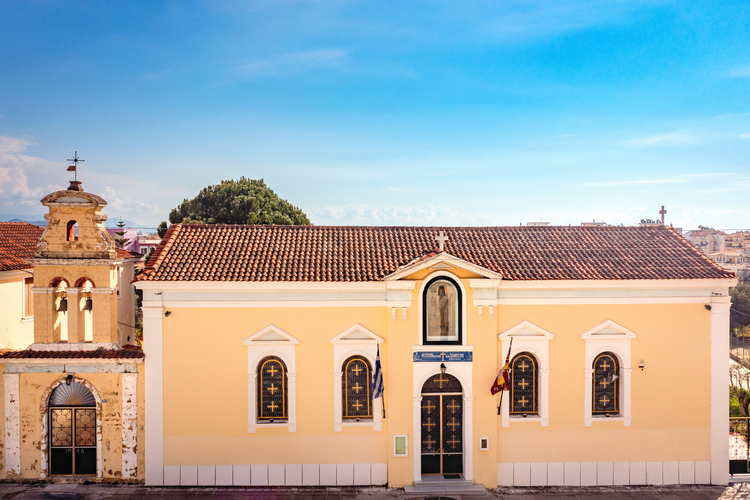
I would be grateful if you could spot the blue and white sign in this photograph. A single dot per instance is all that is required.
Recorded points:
(451, 356)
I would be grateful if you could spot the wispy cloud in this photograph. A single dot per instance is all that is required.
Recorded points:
(428, 215)
(639, 182)
(671, 138)
(293, 63)
(745, 136)
(740, 71)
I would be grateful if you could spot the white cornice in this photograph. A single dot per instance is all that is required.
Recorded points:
(72, 262)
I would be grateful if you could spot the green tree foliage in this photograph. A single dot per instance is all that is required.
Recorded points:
(162, 229)
(244, 201)
(120, 241)
(740, 313)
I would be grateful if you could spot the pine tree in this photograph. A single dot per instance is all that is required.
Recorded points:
(244, 201)
(120, 241)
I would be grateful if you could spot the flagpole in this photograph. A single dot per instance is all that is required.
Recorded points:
(500, 405)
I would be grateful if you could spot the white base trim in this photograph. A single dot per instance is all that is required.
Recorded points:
(603, 473)
(363, 474)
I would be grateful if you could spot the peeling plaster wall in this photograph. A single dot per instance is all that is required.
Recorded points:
(109, 387)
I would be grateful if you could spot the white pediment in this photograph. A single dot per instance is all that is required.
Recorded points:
(442, 261)
(608, 330)
(271, 335)
(357, 334)
(526, 330)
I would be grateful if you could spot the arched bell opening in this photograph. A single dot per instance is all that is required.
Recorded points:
(442, 425)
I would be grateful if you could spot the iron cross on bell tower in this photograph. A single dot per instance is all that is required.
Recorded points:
(74, 184)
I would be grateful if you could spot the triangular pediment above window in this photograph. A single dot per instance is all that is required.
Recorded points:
(526, 330)
(441, 261)
(608, 330)
(271, 335)
(358, 334)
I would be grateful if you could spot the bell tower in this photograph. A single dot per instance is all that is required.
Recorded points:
(75, 271)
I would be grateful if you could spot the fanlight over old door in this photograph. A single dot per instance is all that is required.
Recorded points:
(72, 430)
(442, 425)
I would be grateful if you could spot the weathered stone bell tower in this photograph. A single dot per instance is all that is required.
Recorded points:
(75, 271)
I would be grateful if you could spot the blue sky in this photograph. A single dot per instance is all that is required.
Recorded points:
(385, 113)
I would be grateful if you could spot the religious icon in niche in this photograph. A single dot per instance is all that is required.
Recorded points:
(442, 311)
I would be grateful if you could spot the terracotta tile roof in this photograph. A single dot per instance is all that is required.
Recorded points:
(356, 254)
(17, 243)
(127, 254)
(113, 354)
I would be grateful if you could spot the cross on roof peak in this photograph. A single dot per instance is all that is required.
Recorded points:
(441, 238)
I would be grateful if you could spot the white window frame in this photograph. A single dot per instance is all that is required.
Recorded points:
(608, 337)
(422, 305)
(271, 341)
(355, 340)
(527, 337)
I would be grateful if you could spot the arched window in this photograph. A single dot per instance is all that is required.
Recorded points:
(355, 388)
(72, 230)
(524, 385)
(442, 312)
(272, 390)
(72, 424)
(606, 390)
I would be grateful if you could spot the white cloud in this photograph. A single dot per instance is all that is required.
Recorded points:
(13, 144)
(426, 215)
(745, 136)
(293, 62)
(25, 180)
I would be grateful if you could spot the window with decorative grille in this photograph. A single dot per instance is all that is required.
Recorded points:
(355, 389)
(524, 385)
(272, 390)
(606, 381)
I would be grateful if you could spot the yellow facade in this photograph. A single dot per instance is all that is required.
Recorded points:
(205, 383)
(16, 328)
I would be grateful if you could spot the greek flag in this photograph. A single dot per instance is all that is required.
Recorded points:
(377, 379)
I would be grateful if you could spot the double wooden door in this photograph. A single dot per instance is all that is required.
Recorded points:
(72, 441)
(442, 433)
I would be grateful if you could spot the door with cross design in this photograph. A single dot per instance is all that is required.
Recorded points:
(442, 425)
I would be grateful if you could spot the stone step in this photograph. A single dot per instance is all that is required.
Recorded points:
(457, 486)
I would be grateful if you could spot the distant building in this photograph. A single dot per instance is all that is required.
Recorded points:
(537, 224)
(708, 240)
(593, 223)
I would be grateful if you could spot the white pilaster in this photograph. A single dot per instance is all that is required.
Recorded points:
(588, 376)
(12, 424)
(292, 377)
(154, 370)
(469, 438)
(337, 401)
(74, 308)
(129, 424)
(719, 389)
(417, 437)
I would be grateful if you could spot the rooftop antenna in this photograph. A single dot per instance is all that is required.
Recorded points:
(74, 184)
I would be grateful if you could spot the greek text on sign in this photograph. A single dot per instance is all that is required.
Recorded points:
(451, 356)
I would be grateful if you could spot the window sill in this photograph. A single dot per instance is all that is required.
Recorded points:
(376, 426)
(292, 426)
(514, 419)
(587, 421)
(27, 319)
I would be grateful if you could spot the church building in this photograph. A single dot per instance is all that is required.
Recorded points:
(263, 342)
(73, 397)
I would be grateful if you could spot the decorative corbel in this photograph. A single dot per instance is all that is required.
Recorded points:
(393, 314)
(403, 313)
(492, 311)
(479, 310)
